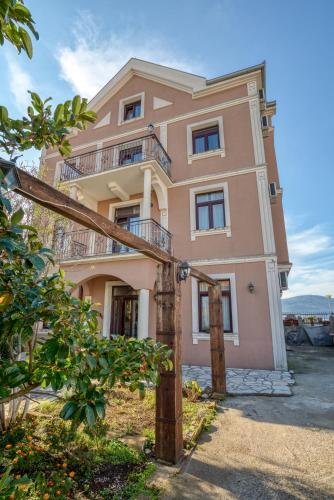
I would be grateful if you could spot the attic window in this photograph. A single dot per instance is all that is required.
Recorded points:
(131, 108)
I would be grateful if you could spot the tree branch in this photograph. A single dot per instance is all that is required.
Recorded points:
(18, 394)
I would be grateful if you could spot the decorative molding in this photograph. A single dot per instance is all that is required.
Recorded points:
(197, 335)
(104, 121)
(252, 88)
(121, 204)
(118, 192)
(213, 177)
(210, 232)
(159, 103)
(257, 131)
(265, 212)
(218, 120)
(163, 135)
(275, 309)
(232, 260)
(103, 258)
(192, 206)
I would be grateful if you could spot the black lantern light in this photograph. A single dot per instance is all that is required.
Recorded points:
(183, 271)
(8, 175)
(251, 287)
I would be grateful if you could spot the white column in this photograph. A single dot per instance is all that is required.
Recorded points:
(147, 193)
(275, 309)
(143, 313)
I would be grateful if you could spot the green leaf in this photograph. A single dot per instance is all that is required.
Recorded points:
(100, 409)
(59, 113)
(36, 261)
(68, 410)
(3, 114)
(17, 216)
(91, 362)
(90, 415)
(76, 104)
(26, 41)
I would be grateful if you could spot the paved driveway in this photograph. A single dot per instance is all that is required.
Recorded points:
(269, 447)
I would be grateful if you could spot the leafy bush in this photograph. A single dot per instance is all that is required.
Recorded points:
(192, 390)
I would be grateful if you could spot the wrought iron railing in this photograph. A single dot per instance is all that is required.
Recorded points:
(88, 243)
(120, 155)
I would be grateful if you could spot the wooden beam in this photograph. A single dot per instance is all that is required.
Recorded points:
(195, 273)
(218, 370)
(168, 426)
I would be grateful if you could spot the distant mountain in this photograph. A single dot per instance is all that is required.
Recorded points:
(306, 304)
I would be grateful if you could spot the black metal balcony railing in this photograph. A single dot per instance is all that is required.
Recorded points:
(120, 155)
(88, 243)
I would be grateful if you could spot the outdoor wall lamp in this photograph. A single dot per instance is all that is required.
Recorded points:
(251, 287)
(150, 127)
(8, 175)
(183, 271)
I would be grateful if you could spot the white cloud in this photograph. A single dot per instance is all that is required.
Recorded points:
(309, 242)
(19, 83)
(94, 60)
(312, 254)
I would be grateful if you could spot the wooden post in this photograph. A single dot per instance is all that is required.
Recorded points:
(217, 341)
(168, 426)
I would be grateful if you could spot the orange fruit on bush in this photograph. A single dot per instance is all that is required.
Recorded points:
(46, 496)
(72, 473)
(8, 446)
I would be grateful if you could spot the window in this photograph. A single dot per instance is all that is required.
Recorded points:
(130, 155)
(210, 213)
(128, 218)
(205, 140)
(132, 110)
(203, 298)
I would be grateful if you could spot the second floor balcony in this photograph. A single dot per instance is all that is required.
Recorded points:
(85, 243)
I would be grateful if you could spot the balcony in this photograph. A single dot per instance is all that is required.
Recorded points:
(86, 243)
(142, 150)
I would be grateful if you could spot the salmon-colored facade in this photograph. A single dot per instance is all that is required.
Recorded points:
(188, 164)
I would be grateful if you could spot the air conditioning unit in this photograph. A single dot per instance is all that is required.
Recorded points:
(262, 94)
(272, 190)
(265, 121)
(283, 280)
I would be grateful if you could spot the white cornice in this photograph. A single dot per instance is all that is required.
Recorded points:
(205, 178)
(232, 260)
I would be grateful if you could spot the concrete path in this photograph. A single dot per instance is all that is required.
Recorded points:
(244, 381)
(263, 448)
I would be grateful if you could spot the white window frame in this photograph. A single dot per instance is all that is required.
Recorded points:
(194, 233)
(121, 204)
(192, 127)
(196, 334)
(129, 100)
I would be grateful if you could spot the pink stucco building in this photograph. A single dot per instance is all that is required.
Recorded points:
(189, 164)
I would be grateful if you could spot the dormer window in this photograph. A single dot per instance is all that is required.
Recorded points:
(132, 110)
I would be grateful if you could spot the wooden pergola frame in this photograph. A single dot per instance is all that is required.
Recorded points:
(169, 440)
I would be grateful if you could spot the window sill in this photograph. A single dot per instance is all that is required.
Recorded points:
(232, 337)
(124, 122)
(206, 154)
(209, 232)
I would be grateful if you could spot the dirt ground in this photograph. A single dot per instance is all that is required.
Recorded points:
(269, 448)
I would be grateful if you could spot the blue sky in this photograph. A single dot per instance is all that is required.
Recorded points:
(83, 43)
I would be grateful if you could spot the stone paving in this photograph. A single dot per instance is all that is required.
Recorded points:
(245, 382)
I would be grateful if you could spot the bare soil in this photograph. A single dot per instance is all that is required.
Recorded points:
(269, 448)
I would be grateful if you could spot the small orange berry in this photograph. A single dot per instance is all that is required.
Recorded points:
(65, 474)
(31, 452)
(46, 496)
(18, 476)
(8, 446)
(29, 438)
(12, 496)
(15, 460)
(72, 473)
(64, 465)
(58, 465)
(58, 493)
